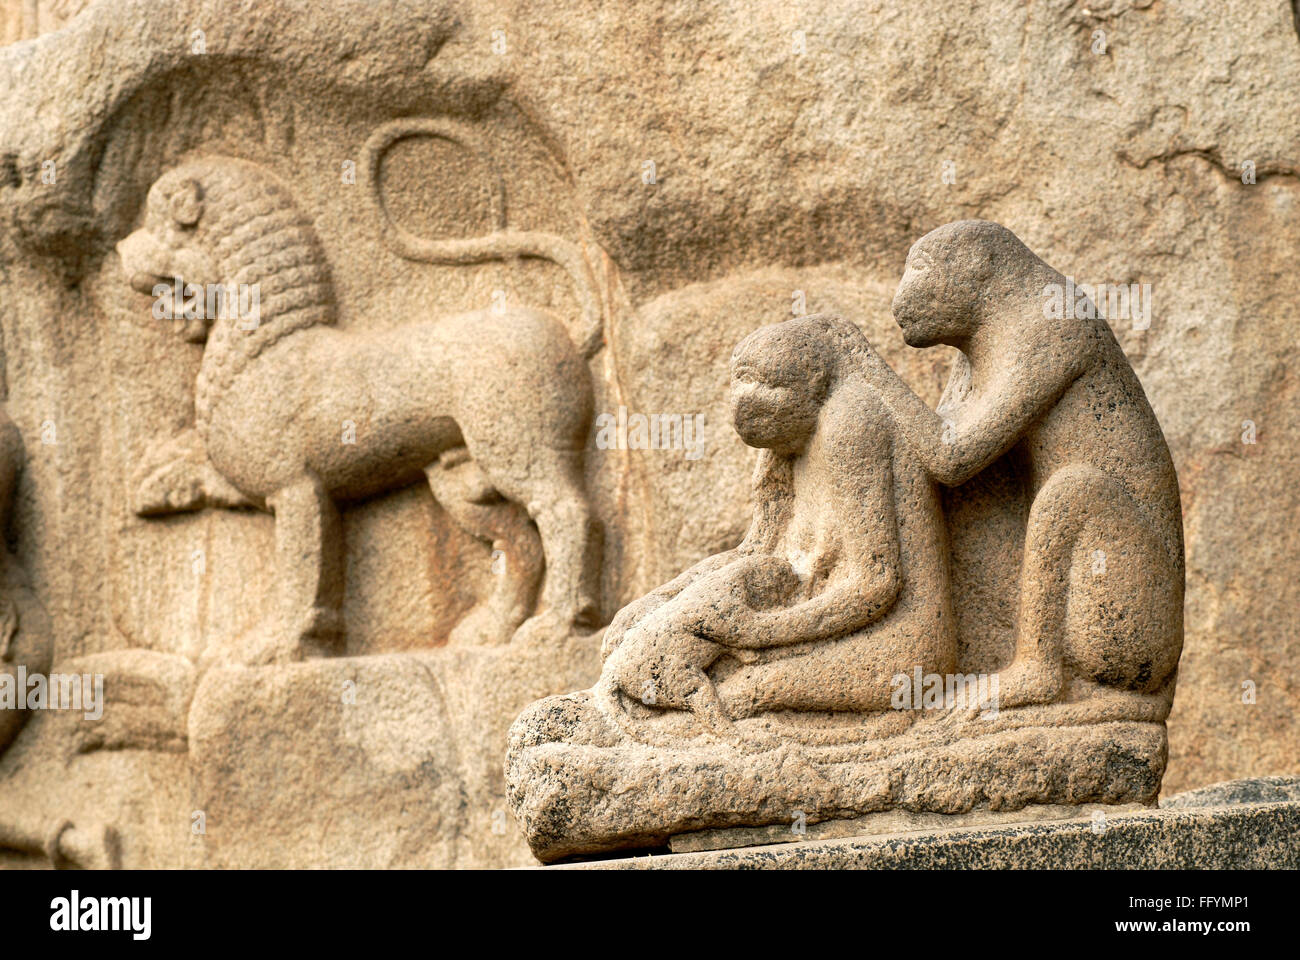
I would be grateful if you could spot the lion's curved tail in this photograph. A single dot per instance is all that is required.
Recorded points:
(501, 244)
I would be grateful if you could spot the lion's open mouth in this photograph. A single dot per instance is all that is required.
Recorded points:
(144, 281)
(149, 265)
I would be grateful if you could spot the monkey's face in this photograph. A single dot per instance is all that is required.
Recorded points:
(774, 404)
(933, 304)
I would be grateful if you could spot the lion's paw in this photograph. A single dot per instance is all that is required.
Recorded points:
(174, 487)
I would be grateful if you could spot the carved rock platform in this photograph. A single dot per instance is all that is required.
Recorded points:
(251, 765)
(604, 791)
(1238, 836)
(412, 739)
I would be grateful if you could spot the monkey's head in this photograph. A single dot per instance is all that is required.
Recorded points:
(952, 278)
(782, 374)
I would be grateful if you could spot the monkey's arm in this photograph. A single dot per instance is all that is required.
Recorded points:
(861, 499)
(639, 609)
(952, 452)
(844, 608)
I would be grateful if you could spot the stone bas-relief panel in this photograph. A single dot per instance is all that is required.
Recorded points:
(322, 548)
(813, 672)
(344, 458)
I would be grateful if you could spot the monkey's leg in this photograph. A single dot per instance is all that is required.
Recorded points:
(704, 702)
(310, 564)
(661, 664)
(674, 664)
(1058, 514)
(1097, 592)
(466, 493)
(665, 668)
(708, 708)
(854, 673)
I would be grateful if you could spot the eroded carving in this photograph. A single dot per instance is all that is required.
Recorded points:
(759, 687)
(294, 415)
(26, 654)
(847, 545)
(25, 640)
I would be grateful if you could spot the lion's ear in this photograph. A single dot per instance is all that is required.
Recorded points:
(187, 203)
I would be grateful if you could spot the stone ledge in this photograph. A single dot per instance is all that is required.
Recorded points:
(890, 823)
(596, 790)
(1242, 836)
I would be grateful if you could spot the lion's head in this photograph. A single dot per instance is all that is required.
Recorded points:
(168, 252)
(232, 224)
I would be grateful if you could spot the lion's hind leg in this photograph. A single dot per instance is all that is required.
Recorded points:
(465, 492)
(571, 538)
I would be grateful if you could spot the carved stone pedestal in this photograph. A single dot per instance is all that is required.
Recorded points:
(375, 761)
(593, 788)
(1258, 835)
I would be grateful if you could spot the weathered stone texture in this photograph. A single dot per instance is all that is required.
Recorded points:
(797, 150)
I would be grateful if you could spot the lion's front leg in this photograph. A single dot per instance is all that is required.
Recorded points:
(176, 476)
(310, 566)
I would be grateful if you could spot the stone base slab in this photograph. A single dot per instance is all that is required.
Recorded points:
(579, 787)
(385, 761)
(889, 823)
(1254, 836)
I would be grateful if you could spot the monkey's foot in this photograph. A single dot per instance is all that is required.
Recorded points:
(750, 743)
(1026, 682)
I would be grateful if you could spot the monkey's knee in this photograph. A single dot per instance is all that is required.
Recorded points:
(1070, 499)
(629, 668)
(660, 670)
(1081, 520)
(1098, 586)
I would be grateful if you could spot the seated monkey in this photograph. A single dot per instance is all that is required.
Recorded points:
(842, 580)
(1101, 583)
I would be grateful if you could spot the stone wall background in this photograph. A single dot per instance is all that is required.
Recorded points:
(776, 170)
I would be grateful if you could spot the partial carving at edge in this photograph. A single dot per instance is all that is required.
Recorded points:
(26, 644)
(27, 652)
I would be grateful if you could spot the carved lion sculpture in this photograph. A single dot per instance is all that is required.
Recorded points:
(293, 415)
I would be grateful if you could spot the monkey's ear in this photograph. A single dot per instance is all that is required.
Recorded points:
(187, 203)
